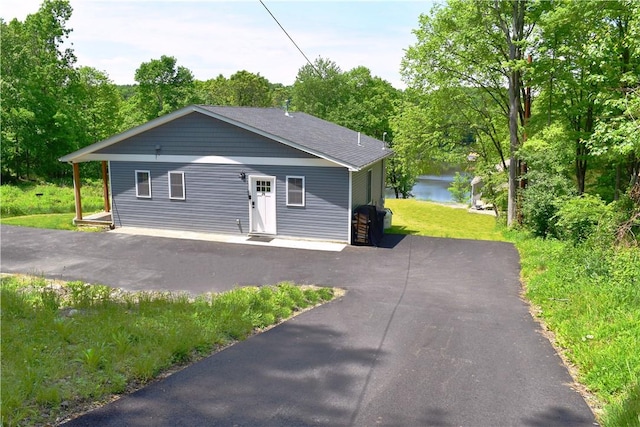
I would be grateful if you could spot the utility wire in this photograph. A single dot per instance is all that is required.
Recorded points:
(292, 41)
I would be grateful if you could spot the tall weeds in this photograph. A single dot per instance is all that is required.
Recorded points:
(589, 295)
(33, 199)
(68, 344)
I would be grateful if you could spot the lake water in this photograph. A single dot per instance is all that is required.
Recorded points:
(429, 187)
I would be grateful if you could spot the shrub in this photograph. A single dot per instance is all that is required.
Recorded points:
(460, 188)
(578, 217)
(547, 155)
(625, 218)
(538, 209)
(541, 201)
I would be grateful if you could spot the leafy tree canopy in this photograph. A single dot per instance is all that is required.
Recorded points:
(163, 86)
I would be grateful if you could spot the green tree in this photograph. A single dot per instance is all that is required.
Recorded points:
(366, 105)
(213, 91)
(480, 45)
(587, 68)
(99, 99)
(354, 99)
(359, 101)
(241, 89)
(39, 118)
(280, 94)
(447, 125)
(163, 87)
(319, 88)
(248, 89)
(460, 188)
(549, 156)
(616, 134)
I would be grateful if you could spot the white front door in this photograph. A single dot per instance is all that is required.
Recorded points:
(262, 206)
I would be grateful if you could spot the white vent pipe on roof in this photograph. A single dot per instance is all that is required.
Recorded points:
(359, 145)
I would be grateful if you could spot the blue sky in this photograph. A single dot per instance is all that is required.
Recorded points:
(223, 37)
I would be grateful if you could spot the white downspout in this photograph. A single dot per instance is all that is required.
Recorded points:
(350, 207)
(113, 216)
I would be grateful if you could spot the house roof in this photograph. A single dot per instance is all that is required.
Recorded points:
(298, 130)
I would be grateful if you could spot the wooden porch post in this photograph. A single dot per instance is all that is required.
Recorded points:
(105, 187)
(76, 188)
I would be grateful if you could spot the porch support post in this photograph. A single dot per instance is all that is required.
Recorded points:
(76, 188)
(105, 187)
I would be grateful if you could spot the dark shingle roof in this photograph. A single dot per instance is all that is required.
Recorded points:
(299, 130)
(309, 133)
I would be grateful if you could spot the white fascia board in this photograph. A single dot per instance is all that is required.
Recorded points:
(218, 160)
(368, 165)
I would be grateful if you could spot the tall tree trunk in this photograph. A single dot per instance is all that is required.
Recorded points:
(514, 144)
(514, 36)
(581, 166)
(634, 170)
(616, 193)
(582, 152)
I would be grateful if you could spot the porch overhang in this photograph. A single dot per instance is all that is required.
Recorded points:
(103, 218)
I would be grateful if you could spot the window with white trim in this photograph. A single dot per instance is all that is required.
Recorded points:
(176, 186)
(295, 190)
(143, 184)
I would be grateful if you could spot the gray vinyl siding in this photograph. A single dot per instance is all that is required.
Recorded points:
(216, 198)
(326, 211)
(359, 186)
(198, 135)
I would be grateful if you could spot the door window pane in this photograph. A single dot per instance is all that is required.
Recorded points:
(263, 186)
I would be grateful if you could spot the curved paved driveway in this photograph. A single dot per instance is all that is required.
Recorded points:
(431, 332)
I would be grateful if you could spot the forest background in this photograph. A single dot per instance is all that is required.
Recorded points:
(567, 117)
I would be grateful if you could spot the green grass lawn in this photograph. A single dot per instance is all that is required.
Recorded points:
(589, 297)
(33, 199)
(47, 205)
(54, 221)
(68, 345)
(423, 218)
(63, 221)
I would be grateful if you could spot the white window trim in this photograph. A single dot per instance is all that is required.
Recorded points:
(303, 190)
(184, 192)
(138, 195)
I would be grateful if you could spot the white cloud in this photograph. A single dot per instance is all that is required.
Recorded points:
(212, 38)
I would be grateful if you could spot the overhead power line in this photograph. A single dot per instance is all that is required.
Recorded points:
(290, 38)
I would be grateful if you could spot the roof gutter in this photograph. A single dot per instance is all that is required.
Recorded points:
(389, 154)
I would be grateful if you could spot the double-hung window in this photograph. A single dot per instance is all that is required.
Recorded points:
(176, 186)
(295, 191)
(143, 184)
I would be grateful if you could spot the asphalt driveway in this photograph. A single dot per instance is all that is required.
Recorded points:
(432, 332)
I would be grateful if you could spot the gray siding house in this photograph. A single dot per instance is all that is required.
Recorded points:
(253, 171)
